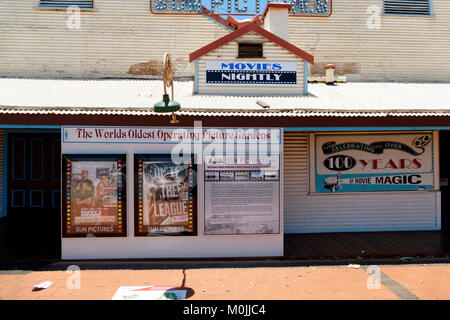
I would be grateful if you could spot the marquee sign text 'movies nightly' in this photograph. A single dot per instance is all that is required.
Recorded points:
(251, 73)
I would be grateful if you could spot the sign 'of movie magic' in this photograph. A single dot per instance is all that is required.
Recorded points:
(374, 162)
(267, 73)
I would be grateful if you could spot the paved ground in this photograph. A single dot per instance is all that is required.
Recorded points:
(411, 281)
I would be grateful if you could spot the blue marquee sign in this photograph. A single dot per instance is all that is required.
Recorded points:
(271, 73)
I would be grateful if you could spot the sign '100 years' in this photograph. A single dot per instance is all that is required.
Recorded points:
(238, 7)
(373, 162)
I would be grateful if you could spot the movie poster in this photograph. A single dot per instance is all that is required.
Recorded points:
(95, 202)
(165, 196)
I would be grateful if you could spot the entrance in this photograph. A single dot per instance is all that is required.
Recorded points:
(33, 194)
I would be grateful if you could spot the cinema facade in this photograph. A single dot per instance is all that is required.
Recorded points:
(325, 175)
(333, 171)
(257, 151)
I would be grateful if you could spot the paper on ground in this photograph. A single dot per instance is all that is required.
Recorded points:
(43, 285)
(150, 293)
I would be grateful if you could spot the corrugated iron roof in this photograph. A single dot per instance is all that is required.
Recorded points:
(137, 97)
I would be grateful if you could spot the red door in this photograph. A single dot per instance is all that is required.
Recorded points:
(33, 190)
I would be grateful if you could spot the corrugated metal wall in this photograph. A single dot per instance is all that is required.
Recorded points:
(272, 52)
(401, 48)
(119, 39)
(124, 39)
(305, 213)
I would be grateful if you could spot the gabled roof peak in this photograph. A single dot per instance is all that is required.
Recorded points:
(249, 27)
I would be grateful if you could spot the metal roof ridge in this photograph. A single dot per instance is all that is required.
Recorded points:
(295, 110)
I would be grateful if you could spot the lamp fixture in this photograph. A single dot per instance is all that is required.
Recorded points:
(167, 104)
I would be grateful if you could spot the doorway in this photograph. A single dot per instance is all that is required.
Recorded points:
(33, 194)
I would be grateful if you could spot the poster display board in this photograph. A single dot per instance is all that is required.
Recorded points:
(94, 195)
(165, 196)
(242, 194)
(373, 162)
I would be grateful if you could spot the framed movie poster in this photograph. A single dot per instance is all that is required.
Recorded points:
(94, 195)
(165, 196)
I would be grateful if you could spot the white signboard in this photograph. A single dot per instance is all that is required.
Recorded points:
(168, 135)
(242, 194)
(373, 162)
(150, 293)
(253, 73)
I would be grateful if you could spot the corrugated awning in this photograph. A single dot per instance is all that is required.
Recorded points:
(137, 97)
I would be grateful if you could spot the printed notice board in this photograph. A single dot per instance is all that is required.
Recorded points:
(242, 194)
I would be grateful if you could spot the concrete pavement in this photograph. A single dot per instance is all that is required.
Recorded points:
(375, 282)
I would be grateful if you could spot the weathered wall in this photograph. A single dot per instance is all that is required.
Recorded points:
(403, 48)
(123, 39)
(119, 39)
